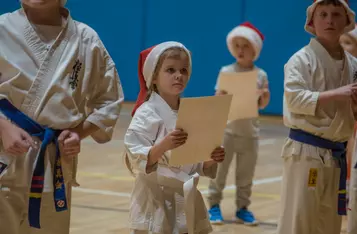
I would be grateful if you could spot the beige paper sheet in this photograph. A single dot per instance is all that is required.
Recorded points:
(243, 87)
(204, 119)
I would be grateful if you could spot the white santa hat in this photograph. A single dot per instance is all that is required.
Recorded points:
(353, 33)
(311, 9)
(153, 58)
(148, 61)
(249, 32)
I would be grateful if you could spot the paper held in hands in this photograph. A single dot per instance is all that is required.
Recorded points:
(243, 87)
(204, 119)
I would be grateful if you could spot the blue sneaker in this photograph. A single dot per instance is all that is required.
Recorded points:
(215, 215)
(245, 216)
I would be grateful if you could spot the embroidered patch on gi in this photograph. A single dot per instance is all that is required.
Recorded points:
(74, 76)
(312, 178)
(60, 203)
(3, 166)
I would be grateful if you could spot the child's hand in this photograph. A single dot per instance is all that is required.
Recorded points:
(345, 92)
(218, 154)
(221, 92)
(71, 143)
(173, 140)
(260, 92)
(15, 140)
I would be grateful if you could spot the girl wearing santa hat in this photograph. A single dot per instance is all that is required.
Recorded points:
(165, 199)
(241, 136)
(319, 108)
(349, 43)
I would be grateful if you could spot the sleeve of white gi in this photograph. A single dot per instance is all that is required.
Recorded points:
(263, 79)
(106, 96)
(207, 172)
(140, 137)
(299, 98)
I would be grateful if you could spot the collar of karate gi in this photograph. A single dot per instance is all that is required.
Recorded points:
(166, 113)
(321, 52)
(32, 38)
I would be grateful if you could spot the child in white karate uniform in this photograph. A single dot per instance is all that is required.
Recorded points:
(319, 107)
(165, 198)
(58, 85)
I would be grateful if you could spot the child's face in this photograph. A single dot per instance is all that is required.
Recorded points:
(349, 44)
(330, 21)
(244, 50)
(173, 76)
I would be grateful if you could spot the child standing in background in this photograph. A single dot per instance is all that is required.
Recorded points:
(349, 43)
(162, 200)
(241, 136)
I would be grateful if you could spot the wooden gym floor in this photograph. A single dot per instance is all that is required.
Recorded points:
(100, 204)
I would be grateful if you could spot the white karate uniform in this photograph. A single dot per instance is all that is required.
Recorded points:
(59, 77)
(311, 175)
(240, 140)
(165, 199)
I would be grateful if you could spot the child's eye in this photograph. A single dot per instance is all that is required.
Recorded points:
(184, 71)
(170, 70)
(336, 14)
(323, 14)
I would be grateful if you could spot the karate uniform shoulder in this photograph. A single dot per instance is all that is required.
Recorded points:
(63, 84)
(152, 121)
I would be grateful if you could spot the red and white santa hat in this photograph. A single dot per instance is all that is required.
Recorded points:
(249, 32)
(147, 64)
(311, 9)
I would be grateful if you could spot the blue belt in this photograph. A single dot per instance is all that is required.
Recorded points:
(47, 136)
(338, 152)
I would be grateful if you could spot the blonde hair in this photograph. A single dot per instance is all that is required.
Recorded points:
(172, 53)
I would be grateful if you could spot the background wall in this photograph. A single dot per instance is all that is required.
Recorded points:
(127, 27)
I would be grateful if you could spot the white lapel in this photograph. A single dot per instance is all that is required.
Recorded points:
(166, 113)
(334, 77)
(50, 60)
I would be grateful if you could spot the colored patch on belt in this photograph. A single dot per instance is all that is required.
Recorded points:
(3, 166)
(313, 177)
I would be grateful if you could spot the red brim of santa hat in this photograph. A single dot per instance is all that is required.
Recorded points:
(148, 61)
(250, 33)
(310, 13)
(143, 89)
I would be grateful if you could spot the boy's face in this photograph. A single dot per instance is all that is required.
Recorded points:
(349, 44)
(244, 50)
(330, 21)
